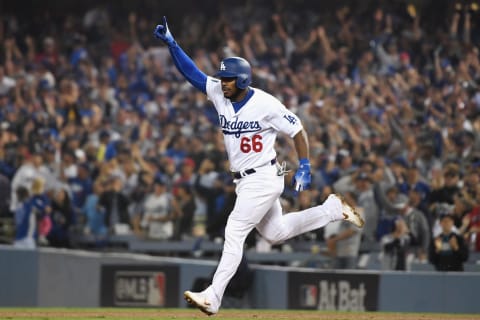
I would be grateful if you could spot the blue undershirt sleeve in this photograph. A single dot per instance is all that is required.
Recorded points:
(188, 69)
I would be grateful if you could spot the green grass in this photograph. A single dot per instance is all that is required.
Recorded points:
(188, 314)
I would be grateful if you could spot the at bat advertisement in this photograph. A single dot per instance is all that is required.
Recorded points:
(333, 291)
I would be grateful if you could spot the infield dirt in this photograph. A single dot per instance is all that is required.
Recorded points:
(180, 314)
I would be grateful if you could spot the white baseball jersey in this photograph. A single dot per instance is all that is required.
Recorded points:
(250, 133)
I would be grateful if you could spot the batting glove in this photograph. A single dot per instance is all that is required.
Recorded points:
(302, 178)
(163, 33)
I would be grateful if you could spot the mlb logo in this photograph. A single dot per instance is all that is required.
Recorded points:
(139, 288)
(156, 292)
(308, 295)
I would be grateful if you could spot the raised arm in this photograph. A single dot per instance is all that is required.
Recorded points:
(182, 61)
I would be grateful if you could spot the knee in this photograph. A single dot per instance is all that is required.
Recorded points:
(274, 238)
(274, 241)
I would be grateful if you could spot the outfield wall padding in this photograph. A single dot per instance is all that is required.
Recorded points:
(48, 277)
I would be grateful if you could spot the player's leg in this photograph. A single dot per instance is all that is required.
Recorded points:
(209, 300)
(235, 234)
(251, 205)
(277, 227)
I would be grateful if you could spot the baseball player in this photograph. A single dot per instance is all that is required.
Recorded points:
(250, 120)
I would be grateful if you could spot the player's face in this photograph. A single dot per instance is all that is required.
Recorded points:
(230, 90)
(228, 87)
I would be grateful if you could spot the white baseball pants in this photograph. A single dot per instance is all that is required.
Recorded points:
(258, 206)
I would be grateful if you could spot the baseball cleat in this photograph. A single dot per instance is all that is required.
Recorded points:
(351, 214)
(199, 300)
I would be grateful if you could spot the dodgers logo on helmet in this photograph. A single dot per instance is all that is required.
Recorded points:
(236, 67)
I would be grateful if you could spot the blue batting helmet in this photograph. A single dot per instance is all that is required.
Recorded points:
(236, 67)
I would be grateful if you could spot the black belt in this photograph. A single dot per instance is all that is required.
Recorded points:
(241, 174)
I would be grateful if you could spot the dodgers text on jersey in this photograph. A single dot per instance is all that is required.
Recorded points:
(238, 127)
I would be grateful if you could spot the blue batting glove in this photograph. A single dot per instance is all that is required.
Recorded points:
(302, 178)
(163, 33)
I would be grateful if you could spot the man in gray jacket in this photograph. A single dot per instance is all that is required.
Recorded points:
(417, 225)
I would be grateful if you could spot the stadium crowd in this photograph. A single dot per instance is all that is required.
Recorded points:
(99, 133)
